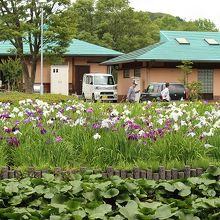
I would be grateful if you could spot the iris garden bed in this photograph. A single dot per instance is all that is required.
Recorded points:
(72, 133)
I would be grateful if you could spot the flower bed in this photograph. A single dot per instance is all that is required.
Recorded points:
(92, 197)
(71, 134)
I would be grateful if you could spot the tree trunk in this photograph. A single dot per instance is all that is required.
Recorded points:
(29, 78)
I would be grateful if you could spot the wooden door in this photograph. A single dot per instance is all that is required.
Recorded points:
(79, 72)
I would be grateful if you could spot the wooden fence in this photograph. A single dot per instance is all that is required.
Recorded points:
(136, 173)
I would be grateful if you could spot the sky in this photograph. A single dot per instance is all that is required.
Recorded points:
(186, 9)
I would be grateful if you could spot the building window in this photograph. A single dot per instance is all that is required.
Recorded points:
(137, 72)
(182, 40)
(205, 76)
(211, 41)
(126, 74)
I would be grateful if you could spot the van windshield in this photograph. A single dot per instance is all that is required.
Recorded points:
(103, 80)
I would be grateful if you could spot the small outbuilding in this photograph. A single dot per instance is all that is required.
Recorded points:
(81, 57)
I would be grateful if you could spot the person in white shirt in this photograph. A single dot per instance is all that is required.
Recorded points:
(165, 93)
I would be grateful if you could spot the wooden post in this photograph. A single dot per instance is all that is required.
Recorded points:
(193, 172)
(136, 173)
(123, 174)
(4, 172)
(187, 171)
(156, 176)
(181, 175)
(168, 174)
(149, 174)
(110, 171)
(143, 174)
(162, 173)
(174, 173)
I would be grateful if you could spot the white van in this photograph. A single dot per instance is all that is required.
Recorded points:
(99, 86)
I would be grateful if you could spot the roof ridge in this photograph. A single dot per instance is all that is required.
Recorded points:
(83, 41)
(133, 55)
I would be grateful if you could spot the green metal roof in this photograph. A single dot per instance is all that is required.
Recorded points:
(82, 48)
(168, 49)
(76, 48)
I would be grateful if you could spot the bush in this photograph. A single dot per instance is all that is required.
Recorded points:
(15, 97)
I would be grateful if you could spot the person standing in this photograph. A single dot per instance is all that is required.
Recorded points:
(132, 93)
(165, 93)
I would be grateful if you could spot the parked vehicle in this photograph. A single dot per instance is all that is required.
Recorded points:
(153, 92)
(99, 86)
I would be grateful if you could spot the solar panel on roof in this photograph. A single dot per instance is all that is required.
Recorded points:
(211, 41)
(182, 40)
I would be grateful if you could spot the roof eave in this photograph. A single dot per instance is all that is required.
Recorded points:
(176, 60)
(93, 55)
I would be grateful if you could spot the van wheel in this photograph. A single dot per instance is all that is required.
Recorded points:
(93, 98)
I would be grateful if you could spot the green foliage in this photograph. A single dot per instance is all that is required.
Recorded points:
(99, 22)
(186, 68)
(20, 24)
(194, 90)
(92, 197)
(15, 97)
(12, 73)
(62, 133)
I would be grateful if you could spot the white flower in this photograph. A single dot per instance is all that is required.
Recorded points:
(15, 109)
(191, 134)
(176, 127)
(194, 112)
(17, 132)
(79, 121)
(22, 102)
(96, 136)
(210, 133)
(160, 121)
(20, 114)
(50, 122)
(183, 123)
(12, 115)
(217, 124)
(114, 112)
(141, 132)
(208, 146)
(105, 123)
(127, 112)
(78, 112)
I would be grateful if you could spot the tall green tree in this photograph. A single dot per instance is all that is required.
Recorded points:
(20, 24)
(199, 25)
(12, 73)
(114, 24)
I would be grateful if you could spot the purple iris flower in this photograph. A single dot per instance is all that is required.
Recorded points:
(4, 116)
(89, 110)
(202, 137)
(61, 110)
(59, 139)
(39, 125)
(43, 131)
(26, 121)
(132, 137)
(8, 130)
(160, 131)
(135, 126)
(13, 141)
(30, 114)
(96, 126)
